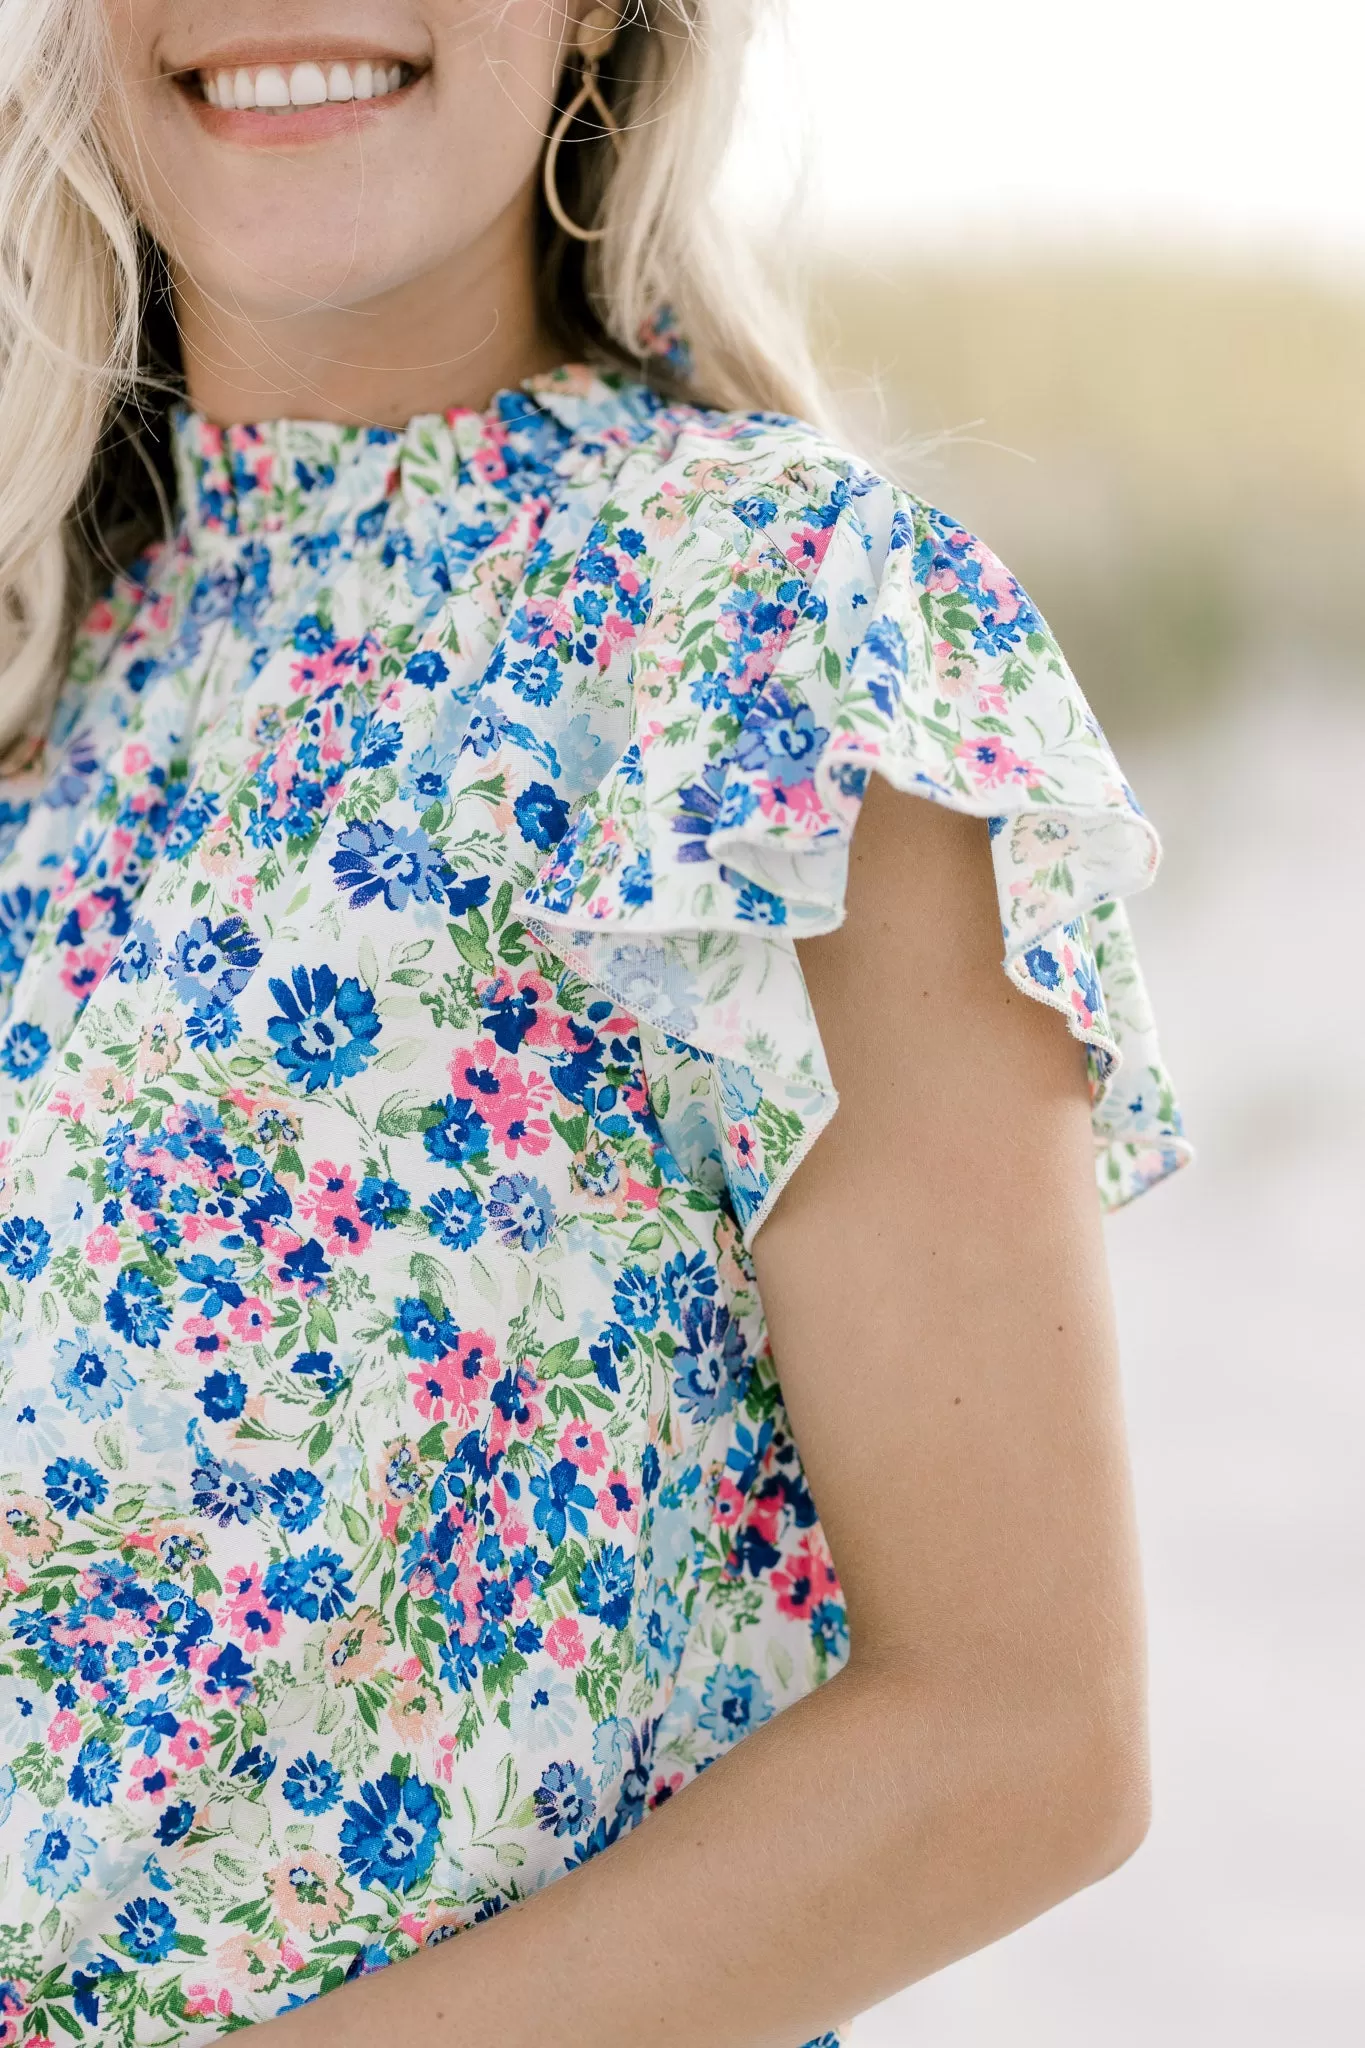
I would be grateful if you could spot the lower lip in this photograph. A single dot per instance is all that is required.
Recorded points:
(253, 126)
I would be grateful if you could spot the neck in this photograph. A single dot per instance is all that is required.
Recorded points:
(449, 338)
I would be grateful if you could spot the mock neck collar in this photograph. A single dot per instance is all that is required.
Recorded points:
(286, 475)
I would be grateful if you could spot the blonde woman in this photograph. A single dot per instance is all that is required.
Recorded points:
(444, 885)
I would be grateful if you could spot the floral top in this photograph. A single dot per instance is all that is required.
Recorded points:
(402, 1039)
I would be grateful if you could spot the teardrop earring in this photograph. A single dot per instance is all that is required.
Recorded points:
(596, 37)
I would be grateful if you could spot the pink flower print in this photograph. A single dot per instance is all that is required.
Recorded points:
(529, 999)
(151, 1779)
(744, 1145)
(251, 1320)
(100, 617)
(586, 1446)
(996, 579)
(543, 621)
(245, 1613)
(202, 2002)
(619, 1502)
(135, 759)
(200, 1340)
(63, 1730)
(729, 1504)
(456, 1386)
(991, 764)
(942, 582)
(507, 1098)
(512, 1115)
(666, 1786)
(564, 1642)
(802, 1581)
(102, 1246)
(190, 1745)
(85, 970)
(159, 1046)
(810, 546)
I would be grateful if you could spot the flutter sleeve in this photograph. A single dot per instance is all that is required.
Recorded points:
(785, 660)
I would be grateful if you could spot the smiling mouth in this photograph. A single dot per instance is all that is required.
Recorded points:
(284, 89)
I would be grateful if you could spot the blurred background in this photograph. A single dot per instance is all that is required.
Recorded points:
(1093, 279)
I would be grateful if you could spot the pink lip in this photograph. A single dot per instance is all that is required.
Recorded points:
(252, 128)
(304, 124)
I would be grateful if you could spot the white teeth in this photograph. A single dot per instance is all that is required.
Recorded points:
(305, 85)
(272, 88)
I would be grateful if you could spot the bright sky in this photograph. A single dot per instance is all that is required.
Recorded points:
(1228, 121)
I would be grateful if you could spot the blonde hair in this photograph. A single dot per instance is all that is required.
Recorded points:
(82, 293)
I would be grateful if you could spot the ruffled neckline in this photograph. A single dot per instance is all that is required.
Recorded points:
(298, 475)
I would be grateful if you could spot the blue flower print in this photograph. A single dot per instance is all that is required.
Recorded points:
(226, 1493)
(311, 1786)
(214, 1030)
(427, 669)
(781, 739)
(24, 1052)
(57, 1856)
(73, 1486)
(326, 1032)
(316, 1586)
(21, 912)
(382, 1202)
(390, 1833)
(637, 882)
(606, 1586)
(636, 1299)
(733, 1701)
(428, 778)
(137, 1309)
(136, 959)
(542, 815)
(456, 1133)
(147, 1930)
(565, 1800)
(665, 1635)
(455, 1217)
(521, 1211)
(94, 1774)
(887, 663)
(223, 1395)
(425, 1334)
(1043, 967)
(175, 1823)
(296, 1498)
(710, 1369)
(90, 1376)
(687, 1280)
(395, 863)
(25, 1247)
(211, 963)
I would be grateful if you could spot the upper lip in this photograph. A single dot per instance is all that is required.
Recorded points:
(256, 53)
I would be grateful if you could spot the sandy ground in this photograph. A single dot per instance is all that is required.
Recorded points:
(1243, 1919)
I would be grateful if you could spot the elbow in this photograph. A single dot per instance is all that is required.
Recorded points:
(1098, 1794)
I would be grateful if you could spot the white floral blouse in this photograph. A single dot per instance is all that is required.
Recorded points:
(402, 1039)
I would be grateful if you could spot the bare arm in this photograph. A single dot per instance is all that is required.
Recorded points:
(934, 1282)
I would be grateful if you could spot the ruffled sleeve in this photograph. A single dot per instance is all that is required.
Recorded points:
(790, 651)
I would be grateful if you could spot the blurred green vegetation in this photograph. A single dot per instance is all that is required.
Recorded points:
(1171, 460)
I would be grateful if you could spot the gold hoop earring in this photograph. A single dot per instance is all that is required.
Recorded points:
(589, 94)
